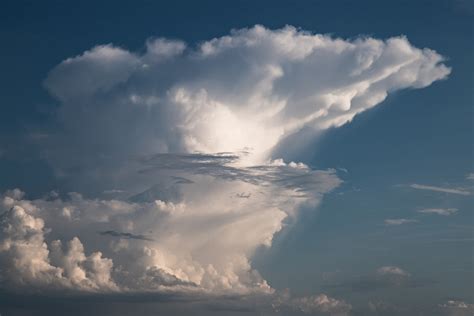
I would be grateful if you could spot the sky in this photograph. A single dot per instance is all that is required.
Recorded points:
(236, 158)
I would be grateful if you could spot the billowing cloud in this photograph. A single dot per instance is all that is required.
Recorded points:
(26, 260)
(246, 91)
(171, 151)
(140, 244)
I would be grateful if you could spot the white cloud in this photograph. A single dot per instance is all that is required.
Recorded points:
(380, 307)
(190, 249)
(456, 304)
(457, 308)
(399, 221)
(157, 245)
(470, 176)
(385, 277)
(184, 137)
(97, 70)
(392, 271)
(391, 276)
(439, 211)
(245, 91)
(460, 191)
(322, 304)
(26, 260)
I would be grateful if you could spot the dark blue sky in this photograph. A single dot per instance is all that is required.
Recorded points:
(420, 136)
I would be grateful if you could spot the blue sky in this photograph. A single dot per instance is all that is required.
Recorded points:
(386, 225)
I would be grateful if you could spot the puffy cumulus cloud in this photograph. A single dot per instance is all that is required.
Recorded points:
(194, 249)
(172, 146)
(27, 262)
(203, 240)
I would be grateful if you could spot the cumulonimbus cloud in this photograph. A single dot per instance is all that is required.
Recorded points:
(242, 92)
(180, 138)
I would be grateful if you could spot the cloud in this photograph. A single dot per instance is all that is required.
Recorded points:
(321, 304)
(457, 308)
(184, 137)
(174, 303)
(382, 308)
(470, 176)
(399, 221)
(99, 69)
(192, 240)
(392, 271)
(245, 91)
(181, 257)
(459, 191)
(113, 233)
(383, 278)
(296, 177)
(26, 259)
(439, 211)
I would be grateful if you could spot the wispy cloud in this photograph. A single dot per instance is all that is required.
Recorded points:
(399, 221)
(439, 211)
(114, 233)
(297, 177)
(382, 278)
(460, 191)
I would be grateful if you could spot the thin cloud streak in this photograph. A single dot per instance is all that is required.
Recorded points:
(439, 211)
(398, 221)
(459, 191)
